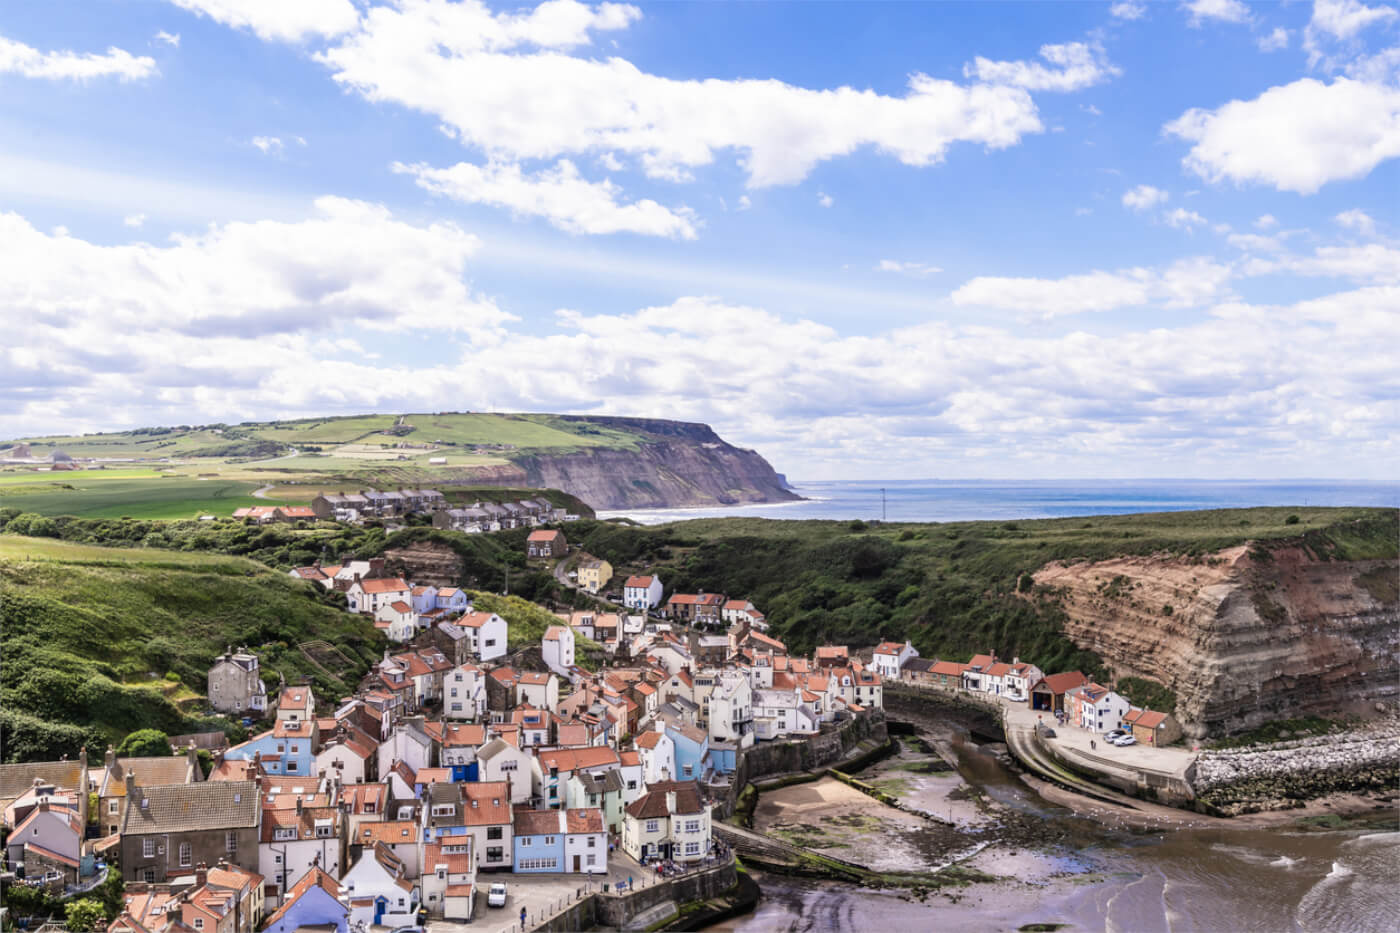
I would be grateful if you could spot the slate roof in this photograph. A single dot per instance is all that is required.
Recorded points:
(652, 804)
(17, 779)
(189, 807)
(166, 769)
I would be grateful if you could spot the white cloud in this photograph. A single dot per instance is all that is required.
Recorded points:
(1296, 137)
(1144, 197)
(1185, 282)
(169, 38)
(1343, 19)
(515, 94)
(1274, 41)
(18, 58)
(1182, 219)
(1229, 11)
(267, 145)
(1358, 220)
(255, 320)
(1253, 242)
(134, 220)
(1128, 9)
(1373, 263)
(559, 194)
(824, 199)
(1072, 66)
(744, 202)
(279, 20)
(916, 270)
(1265, 221)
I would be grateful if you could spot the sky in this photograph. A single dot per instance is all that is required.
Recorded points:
(869, 240)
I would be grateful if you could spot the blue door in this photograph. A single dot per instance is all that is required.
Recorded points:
(379, 904)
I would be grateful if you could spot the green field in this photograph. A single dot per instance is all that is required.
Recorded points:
(89, 633)
(107, 494)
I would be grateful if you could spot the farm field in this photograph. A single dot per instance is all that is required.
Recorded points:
(94, 494)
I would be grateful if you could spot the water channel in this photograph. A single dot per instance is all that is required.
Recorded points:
(1054, 866)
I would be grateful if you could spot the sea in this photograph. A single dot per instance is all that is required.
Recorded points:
(936, 500)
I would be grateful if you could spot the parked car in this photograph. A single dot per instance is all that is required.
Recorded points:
(1124, 740)
(496, 896)
(1114, 734)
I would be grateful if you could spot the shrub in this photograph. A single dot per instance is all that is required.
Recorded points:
(145, 743)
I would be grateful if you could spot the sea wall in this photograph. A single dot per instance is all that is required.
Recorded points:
(1283, 775)
(614, 911)
(982, 717)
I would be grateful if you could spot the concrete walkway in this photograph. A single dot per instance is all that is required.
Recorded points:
(1075, 741)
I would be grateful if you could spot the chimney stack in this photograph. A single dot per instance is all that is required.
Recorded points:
(192, 754)
(131, 791)
(201, 875)
(110, 757)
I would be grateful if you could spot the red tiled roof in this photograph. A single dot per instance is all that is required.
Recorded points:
(638, 582)
(544, 535)
(589, 820)
(385, 585)
(1148, 719)
(391, 833)
(1061, 683)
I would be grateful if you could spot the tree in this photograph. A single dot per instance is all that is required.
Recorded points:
(85, 915)
(145, 743)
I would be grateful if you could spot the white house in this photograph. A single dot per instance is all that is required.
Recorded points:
(501, 761)
(642, 592)
(778, 713)
(464, 693)
(449, 878)
(736, 610)
(378, 890)
(558, 649)
(669, 821)
(486, 634)
(537, 689)
(1020, 679)
(658, 756)
(296, 840)
(397, 620)
(345, 759)
(486, 816)
(368, 595)
(726, 697)
(409, 743)
(890, 656)
(1100, 709)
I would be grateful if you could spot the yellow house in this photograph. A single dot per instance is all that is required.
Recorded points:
(594, 574)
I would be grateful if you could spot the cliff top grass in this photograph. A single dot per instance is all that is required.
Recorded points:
(953, 588)
(88, 633)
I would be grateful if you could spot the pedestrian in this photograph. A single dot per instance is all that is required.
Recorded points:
(522, 918)
(629, 882)
(1092, 744)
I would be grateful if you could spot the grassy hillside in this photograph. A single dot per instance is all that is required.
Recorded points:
(101, 641)
(96, 494)
(532, 432)
(950, 588)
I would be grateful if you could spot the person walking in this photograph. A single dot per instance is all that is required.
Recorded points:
(522, 918)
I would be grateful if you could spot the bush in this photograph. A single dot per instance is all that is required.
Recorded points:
(1292, 520)
(145, 743)
(85, 915)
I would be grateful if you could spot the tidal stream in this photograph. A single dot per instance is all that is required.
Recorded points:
(1056, 866)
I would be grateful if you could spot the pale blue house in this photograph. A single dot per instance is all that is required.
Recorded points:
(539, 841)
(313, 902)
(692, 751)
(289, 748)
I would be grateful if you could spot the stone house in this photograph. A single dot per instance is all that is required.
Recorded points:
(546, 543)
(167, 830)
(235, 683)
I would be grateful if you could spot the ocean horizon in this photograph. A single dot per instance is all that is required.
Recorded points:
(993, 500)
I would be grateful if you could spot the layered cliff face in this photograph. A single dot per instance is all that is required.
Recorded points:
(1245, 636)
(678, 464)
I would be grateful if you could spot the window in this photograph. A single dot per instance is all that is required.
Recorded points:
(509, 765)
(592, 859)
(113, 806)
(652, 826)
(148, 848)
(199, 923)
(591, 841)
(369, 806)
(277, 859)
(149, 875)
(231, 841)
(692, 848)
(549, 840)
(494, 854)
(692, 826)
(493, 832)
(444, 810)
(186, 855)
(524, 842)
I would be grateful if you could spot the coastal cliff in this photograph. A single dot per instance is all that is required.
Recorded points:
(675, 464)
(1247, 634)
